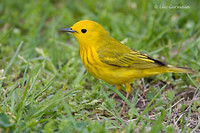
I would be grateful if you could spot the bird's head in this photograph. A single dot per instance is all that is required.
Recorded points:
(87, 32)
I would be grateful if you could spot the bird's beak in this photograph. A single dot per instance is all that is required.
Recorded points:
(67, 30)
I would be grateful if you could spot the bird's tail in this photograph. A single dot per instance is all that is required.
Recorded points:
(179, 69)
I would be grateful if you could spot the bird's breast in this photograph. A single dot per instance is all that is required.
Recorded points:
(91, 61)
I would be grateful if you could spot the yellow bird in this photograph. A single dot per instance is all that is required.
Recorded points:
(113, 62)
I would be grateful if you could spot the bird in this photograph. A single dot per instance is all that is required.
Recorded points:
(113, 62)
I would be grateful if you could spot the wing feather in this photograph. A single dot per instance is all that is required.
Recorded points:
(125, 57)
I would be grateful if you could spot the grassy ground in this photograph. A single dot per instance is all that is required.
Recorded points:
(45, 88)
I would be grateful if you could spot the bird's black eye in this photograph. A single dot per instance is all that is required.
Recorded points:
(83, 30)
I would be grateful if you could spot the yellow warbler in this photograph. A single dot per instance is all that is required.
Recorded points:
(113, 62)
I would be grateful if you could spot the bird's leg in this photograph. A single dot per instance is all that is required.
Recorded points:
(119, 87)
(128, 90)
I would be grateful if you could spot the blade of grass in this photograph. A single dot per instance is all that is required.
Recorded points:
(198, 125)
(118, 117)
(69, 113)
(188, 118)
(124, 98)
(147, 107)
(6, 34)
(28, 88)
(197, 86)
(20, 91)
(11, 62)
(45, 88)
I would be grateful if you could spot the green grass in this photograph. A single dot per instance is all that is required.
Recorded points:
(44, 86)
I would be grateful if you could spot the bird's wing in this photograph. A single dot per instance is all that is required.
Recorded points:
(124, 57)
